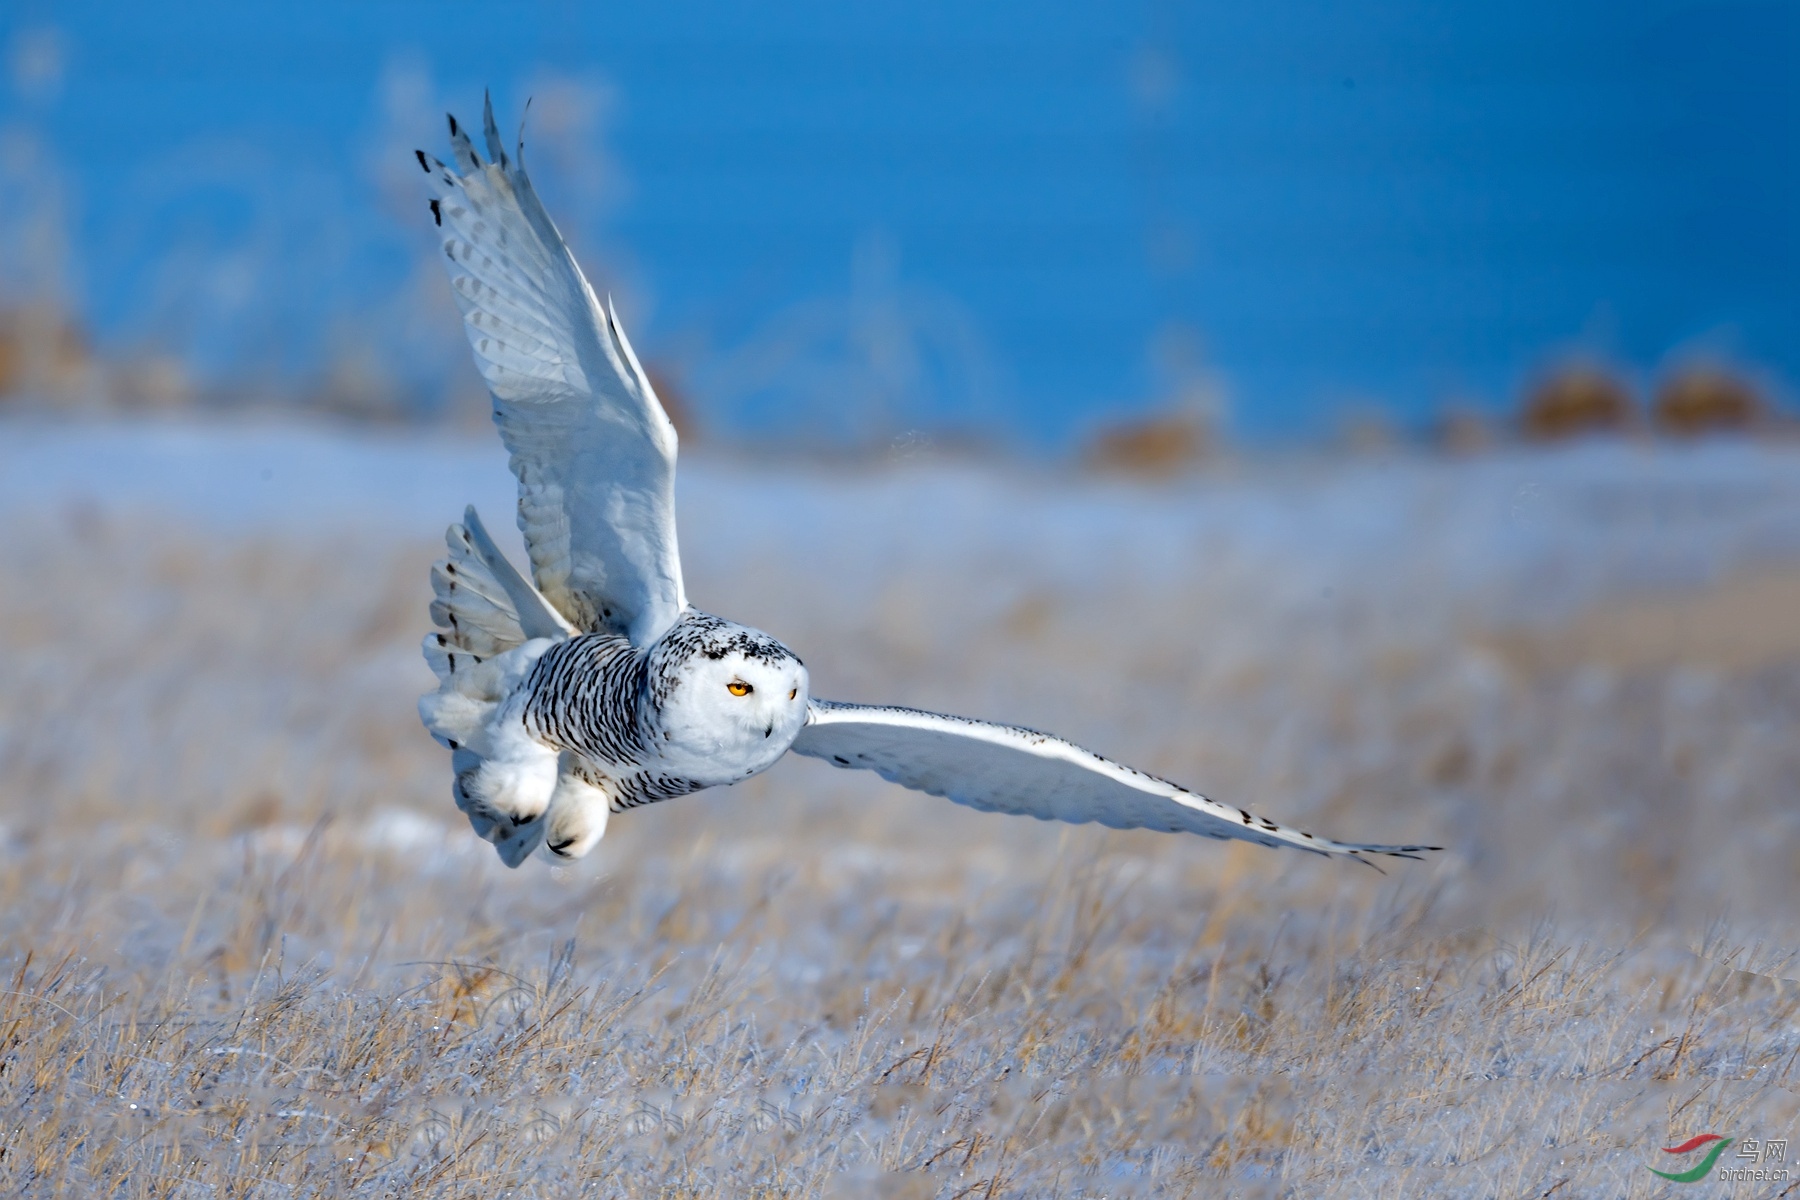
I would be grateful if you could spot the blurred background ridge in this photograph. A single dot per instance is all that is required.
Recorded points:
(1138, 229)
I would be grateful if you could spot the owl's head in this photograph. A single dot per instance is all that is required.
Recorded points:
(726, 700)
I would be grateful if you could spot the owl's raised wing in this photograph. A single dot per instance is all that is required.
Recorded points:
(591, 446)
(1003, 768)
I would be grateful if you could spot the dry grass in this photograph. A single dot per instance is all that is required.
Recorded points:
(1154, 448)
(1576, 400)
(247, 952)
(1708, 399)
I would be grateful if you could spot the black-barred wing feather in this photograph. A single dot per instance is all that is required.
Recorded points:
(591, 446)
(1003, 768)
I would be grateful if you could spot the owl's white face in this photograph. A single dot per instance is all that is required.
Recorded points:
(733, 703)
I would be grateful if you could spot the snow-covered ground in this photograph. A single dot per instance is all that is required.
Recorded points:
(1205, 628)
(1537, 531)
(1578, 669)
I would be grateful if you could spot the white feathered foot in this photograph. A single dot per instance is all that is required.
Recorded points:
(576, 819)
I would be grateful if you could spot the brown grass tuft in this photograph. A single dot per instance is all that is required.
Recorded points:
(1704, 399)
(1574, 401)
(1155, 447)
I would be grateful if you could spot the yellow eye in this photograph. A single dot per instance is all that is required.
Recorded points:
(738, 687)
(793, 693)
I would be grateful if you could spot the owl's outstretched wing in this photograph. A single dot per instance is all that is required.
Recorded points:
(591, 446)
(1003, 768)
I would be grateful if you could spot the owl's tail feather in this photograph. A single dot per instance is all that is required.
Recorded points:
(477, 625)
(475, 617)
(482, 606)
(492, 626)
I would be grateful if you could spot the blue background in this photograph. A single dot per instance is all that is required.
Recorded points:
(844, 221)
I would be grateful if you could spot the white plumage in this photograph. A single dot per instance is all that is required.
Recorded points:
(591, 446)
(593, 687)
(1006, 769)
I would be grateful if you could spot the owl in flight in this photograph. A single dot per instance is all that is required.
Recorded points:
(592, 686)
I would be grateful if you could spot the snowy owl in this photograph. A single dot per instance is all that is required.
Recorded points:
(593, 687)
